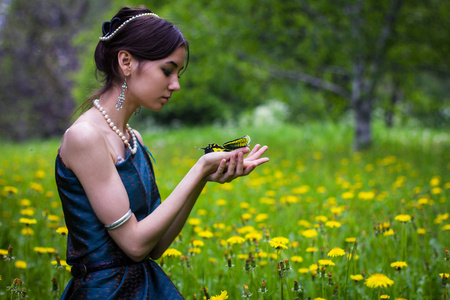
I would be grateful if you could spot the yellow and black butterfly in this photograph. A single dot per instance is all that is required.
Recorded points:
(228, 146)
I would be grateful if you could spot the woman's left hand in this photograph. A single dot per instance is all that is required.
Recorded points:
(237, 165)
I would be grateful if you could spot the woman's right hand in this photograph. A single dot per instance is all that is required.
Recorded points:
(227, 166)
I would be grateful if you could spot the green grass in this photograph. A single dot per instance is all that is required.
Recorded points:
(313, 177)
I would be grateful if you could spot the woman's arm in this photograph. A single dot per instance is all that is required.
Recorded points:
(85, 152)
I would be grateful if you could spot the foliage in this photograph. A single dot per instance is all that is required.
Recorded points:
(393, 199)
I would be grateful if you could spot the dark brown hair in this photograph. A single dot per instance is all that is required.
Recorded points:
(145, 38)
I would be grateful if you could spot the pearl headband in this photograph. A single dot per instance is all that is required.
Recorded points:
(108, 35)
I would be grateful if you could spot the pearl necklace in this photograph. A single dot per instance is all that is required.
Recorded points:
(116, 130)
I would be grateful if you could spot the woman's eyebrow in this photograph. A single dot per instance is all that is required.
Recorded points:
(172, 63)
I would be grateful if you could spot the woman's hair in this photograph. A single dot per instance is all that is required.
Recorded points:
(145, 38)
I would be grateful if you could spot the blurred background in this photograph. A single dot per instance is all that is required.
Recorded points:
(251, 62)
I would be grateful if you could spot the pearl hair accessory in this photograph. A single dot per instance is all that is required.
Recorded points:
(116, 130)
(108, 36)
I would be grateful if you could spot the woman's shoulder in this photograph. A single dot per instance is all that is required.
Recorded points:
(81, 138)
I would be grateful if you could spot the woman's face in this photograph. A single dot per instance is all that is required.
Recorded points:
(152, 85)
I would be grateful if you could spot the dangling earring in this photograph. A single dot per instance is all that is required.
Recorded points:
(138, 110)
(121, 97)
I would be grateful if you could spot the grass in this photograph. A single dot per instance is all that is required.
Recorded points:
(315, 192)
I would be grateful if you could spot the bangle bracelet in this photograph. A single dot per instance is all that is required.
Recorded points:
(119, 222)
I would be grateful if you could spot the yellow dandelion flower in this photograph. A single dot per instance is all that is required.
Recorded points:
(195, 250)
(273, 256)
(366, 195)
(20, 264)
(277, 245)
(311, 249)
(9, 190)
(27, 231)
(403, 218)
(244, 205)
(326, 262)
(304, 223)
(333, 224)
(319, 298)
(252, 236)
(202, 212)
(29, 211)
(53, 218)
(378, 280)
(235, 240)
(401, 299)
(212, 260)
(40, 174)
(313, 267)
(321, 218)
(62, 230)
(198, 243)
(444, 276)
(194, 221)
(357, 277)
(421, 231)
(261, 217)
(440, 218)
(61, 262)
(309, 233)
(50, 250)
(337, 210)
(446, 227)
(350, 256)
(219, 226)
(385, 297)
(350, 240)
(336, 252)
(261, 254)
(303, 270)
(268, 201)
(436, 190)
(245, 229)
(40, 250)
(301, 190)
(389, 232)
(37, 187)
(205, 234)
(221, 202)
(246, 217)
(3, 252)
(398, 265)
(25, 202)
(297, 259)
(281, 240)
(348, 195)
(223, 295)
(27, 221)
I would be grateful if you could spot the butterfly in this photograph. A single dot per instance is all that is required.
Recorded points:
(228, 146)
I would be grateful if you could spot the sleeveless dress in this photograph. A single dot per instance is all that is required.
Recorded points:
(89, 242)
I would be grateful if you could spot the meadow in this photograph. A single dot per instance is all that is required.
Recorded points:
(319, 221)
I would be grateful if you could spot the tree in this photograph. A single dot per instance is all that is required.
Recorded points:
(37, 56)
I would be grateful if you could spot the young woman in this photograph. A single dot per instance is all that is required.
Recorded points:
(105, 179)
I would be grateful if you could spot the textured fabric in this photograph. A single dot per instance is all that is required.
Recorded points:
(88, 241)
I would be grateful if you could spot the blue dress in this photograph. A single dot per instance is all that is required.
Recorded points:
(89, 242)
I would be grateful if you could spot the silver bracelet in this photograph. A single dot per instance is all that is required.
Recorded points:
(119, 222)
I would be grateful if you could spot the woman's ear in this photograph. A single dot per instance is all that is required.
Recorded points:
(124, 59)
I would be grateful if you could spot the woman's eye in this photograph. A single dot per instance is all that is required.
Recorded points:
(167, 72)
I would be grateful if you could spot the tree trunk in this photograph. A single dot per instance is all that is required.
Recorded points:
(363, 124)
(362, 108)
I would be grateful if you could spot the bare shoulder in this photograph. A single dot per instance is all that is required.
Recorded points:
(138, 136)
(79, 140)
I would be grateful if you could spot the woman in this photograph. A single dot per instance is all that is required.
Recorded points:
(105, 178)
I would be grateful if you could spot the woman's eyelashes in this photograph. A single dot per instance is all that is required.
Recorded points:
(167, 72)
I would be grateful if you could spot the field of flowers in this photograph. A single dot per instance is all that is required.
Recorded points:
(318, 221)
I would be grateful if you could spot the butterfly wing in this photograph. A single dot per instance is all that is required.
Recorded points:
(237, 143)
(214, 148)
